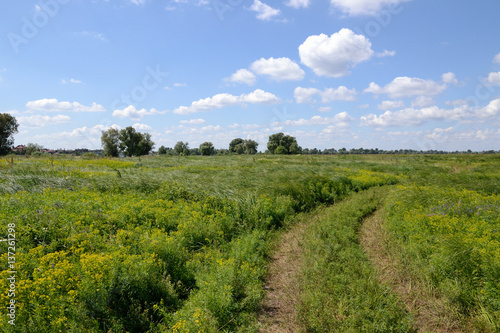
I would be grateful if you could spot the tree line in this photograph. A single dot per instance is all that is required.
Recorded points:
(129, 142)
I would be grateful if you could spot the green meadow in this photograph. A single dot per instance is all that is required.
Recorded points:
(183, 244)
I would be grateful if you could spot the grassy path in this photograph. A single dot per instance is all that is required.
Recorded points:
(428, 308)
(278, 313)
(320, 280)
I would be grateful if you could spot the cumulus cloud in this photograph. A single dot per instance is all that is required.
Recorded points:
(407, 87)
(53, 105)
(243, 76)
(279, 69)
(422, 102)
(193, 121)
(385, 54)
(225, 100)
(264, 12)
(42, 121)
(134, 114)
(74, 81)
(364, 7)
(494, 78)
(298, 3)
(334, 56)
(390, 105)
(496, 59)
(142, 127)
(414, 117)
(491, 110)
(340, 118)
(342, 93)
(450, 78)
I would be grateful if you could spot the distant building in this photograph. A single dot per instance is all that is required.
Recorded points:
(19, 149)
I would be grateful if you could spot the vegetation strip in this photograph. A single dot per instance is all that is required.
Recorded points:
(427, 306)
(340, 289)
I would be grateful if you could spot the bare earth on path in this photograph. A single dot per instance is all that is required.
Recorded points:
(428, 309)
(278, 307)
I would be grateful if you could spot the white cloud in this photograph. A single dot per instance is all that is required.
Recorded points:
(342, 93)
(364, 7)
(342, 118)
(491, 110)
(334, 56)
(496, 59)
(75, 81)
(414, 117)
(180, 84)
(193, 121)
(450, 78)
(243, 76)
(407, 87)
(390, 105)
(42, 121)
(53, 105)
(494, 78)
(224, 100)
(422, 102)
(142, 127)
(298, 3)
(134, 114)
(93, 34)
(138, 2)
(264, 12)
(385, 54)
(279, 69)
(325, 109)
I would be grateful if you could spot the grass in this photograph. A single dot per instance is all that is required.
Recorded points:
(95, 236)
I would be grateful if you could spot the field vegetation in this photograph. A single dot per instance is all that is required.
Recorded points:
(182, 244)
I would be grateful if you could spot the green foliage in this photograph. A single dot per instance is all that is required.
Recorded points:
(450, 238)
(341, 291)
(134, 143)
(240, 146)
(182, 148)
(32, 148)
(280, 144)
(162, 150)
(207, 149)
(110, 141)
(8, 127)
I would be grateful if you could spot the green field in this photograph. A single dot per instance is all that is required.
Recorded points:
(182, 244)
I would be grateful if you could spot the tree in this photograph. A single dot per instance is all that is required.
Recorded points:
(236, 146)
(33, 148)
(162, 150)
(207, 149)
(134, 143)
(251, 147)
(8, 127)
(110, 141)
(240, 146)
(280, 150)
(181, 148)
(289, 143)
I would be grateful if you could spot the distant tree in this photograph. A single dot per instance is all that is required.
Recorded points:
(8, 127)
(207, 149)
(289, 143)
(251, 147)
(181, 148)
(32, 148)
(134, 143)
(280, 150)
(237, 146)
(110, 141)
(240, 146)
(162, 150)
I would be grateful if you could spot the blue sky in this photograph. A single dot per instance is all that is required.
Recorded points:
(388, 74)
